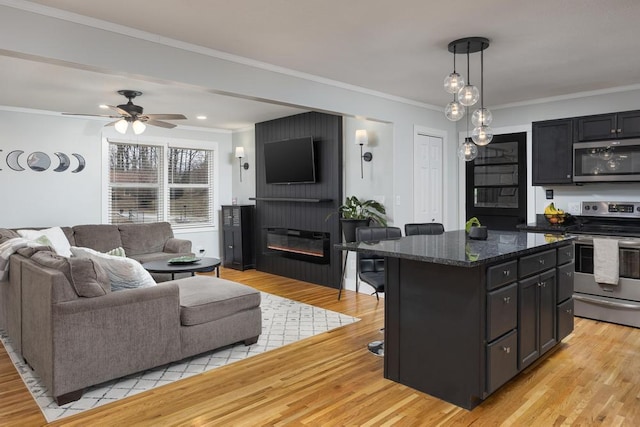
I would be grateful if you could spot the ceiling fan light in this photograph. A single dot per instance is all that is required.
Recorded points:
(468, 95)
(454, 111)
(467, 151)
(121, 126)
(482, 116)
(138, 127)
(482, 135)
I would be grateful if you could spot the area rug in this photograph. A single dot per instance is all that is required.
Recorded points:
(284, 321)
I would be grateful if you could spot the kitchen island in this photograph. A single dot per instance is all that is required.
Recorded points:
(462, 316)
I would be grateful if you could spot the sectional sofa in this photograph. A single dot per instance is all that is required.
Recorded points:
(74, 331)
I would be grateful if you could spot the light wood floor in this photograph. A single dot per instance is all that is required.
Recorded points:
(331, 379)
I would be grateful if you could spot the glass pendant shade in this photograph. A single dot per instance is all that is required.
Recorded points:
(453, 82)
(468, 95)
(138, 127)
(482, 135)
(467, 151)
(454, 111)
(121, 126)
(482, 116)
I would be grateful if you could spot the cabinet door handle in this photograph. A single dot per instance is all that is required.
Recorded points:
(506, 273)
(619, 130)
(568, 273)
(541, 261)
(542, 284)
(613, 131)
(507, 300)
(569, 310)
(506, 349)
(230, 247)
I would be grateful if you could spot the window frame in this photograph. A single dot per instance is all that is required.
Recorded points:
(165, 144)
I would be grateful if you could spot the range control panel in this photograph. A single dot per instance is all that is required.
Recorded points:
(612, 209)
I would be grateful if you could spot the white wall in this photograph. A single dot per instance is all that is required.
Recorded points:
(242, 191)
(48, 198)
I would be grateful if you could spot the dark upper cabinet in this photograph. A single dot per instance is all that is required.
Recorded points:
(552, 152)
(607, 126)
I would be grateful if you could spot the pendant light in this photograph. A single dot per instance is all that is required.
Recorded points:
(469, 94)
(467, 150)
(454, 111)
(482, 134)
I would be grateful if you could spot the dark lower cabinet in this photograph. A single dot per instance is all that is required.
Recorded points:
(238, 236)
(565, 318)
(502, 361)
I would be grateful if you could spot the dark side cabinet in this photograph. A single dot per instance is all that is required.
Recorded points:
(552, 152)
(600, 127)
(238, 236)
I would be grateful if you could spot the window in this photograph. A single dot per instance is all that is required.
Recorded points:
(143, 187)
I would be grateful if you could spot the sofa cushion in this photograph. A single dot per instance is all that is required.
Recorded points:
(28, 251)
(86, 276)
(101, 237)
(144, 238)
(124, 273)
(6, 234)
(205, 298)
(54, 235)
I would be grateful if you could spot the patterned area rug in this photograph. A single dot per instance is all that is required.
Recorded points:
(284, 321)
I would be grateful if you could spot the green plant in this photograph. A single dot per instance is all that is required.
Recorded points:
(353, 208)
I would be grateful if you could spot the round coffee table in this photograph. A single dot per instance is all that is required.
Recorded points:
(203, 265)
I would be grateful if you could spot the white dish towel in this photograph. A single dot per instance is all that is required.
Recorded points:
(606, 266)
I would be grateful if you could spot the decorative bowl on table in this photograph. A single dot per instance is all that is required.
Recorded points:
(556, 218)
(187, 259)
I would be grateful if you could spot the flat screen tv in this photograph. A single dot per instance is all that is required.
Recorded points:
(291, 161)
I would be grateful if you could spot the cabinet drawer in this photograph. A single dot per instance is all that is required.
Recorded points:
(502, 274)
(535, 263)
(565, 318)
(565, 254)
(502, 311)
(502, 361)
(565, 281)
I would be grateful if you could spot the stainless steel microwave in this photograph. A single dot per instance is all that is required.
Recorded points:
(606, 161)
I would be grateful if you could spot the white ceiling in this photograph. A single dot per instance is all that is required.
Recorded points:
(539, 49)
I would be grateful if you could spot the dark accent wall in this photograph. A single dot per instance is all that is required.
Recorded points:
(301, 206)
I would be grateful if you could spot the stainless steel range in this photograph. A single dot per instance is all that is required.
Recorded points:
(617, 303)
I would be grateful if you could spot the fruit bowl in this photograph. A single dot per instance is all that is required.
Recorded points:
(556, 218)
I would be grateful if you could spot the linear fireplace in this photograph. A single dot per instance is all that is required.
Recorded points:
(304, 245)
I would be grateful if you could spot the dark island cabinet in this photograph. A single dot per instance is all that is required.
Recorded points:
(552, 152)
(238, 236)
(607, 126)
(564, 296)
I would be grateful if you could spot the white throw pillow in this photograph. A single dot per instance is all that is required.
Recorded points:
(56, 236)
(124, 273)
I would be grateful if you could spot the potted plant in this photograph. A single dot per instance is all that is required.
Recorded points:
(355, 213)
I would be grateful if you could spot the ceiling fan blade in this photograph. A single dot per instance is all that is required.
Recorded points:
(120, 111)
(160, 124)
(112, 123)
(90, 115)
(166, 116)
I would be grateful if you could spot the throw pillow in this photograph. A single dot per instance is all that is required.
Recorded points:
(7, 234)
(116, 252)
(124, 273)
(86, 276)
(59, 241)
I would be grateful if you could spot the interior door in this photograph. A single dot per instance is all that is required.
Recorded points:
(427, 178)
(496, 183)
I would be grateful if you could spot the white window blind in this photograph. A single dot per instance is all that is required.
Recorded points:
(135, 183)
(190, 187)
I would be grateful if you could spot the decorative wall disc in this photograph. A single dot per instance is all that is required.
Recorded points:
(38, 161)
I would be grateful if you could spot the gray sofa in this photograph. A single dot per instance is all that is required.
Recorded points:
(74, 341)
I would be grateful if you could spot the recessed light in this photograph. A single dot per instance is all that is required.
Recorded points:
(201, 117)
(104, 106)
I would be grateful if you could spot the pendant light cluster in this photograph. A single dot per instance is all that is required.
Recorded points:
(466, 95)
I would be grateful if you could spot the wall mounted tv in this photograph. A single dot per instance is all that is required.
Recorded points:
(291, 161)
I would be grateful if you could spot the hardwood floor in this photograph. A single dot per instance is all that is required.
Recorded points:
(593, 378)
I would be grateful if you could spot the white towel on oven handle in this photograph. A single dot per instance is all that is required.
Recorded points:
(606, 264)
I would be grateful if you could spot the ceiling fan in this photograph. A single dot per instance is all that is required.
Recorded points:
(131, 113)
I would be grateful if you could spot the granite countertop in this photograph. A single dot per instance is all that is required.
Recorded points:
(543, 226)
(455, 248)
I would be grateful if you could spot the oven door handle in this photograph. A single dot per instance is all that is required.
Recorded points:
(606, 303)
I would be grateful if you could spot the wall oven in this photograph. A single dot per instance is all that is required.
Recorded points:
(618, 303)
(606, 161)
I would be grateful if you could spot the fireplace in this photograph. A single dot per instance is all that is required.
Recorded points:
(303, 245)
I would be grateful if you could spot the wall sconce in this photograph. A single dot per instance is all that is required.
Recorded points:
(362, 139)
(240, 155)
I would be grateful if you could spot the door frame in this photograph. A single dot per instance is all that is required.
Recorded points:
(462, 206)
(447, 220)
